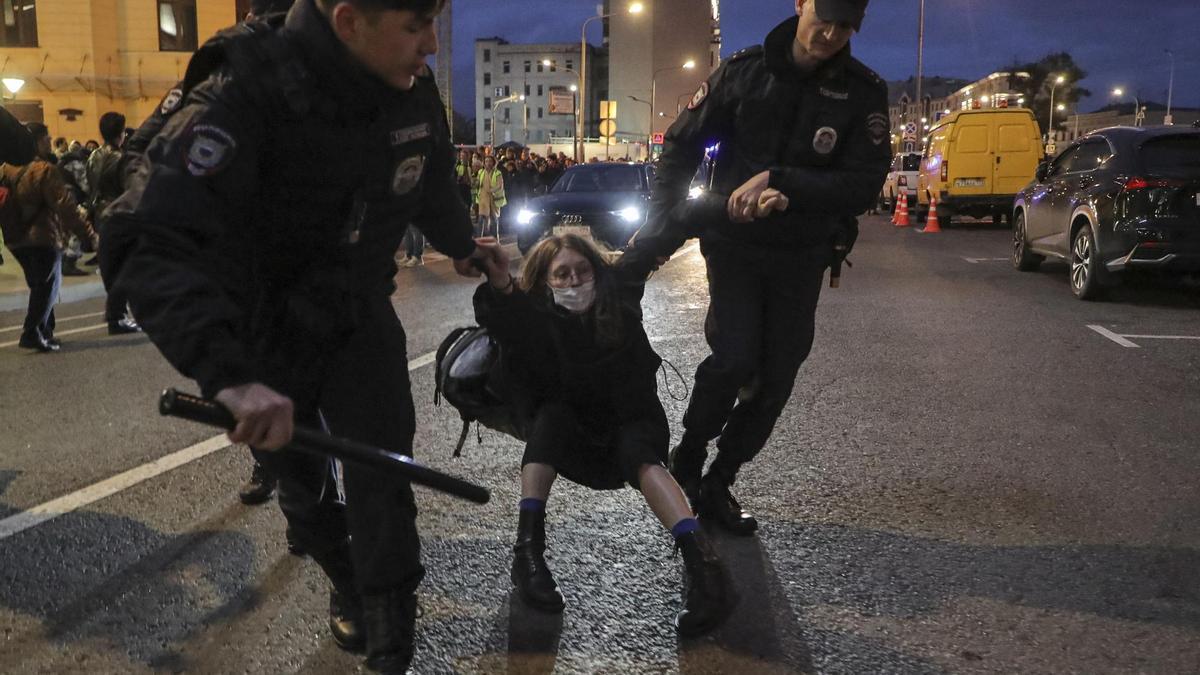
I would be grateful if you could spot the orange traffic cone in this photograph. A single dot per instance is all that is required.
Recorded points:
(931, 222)
(900, 217)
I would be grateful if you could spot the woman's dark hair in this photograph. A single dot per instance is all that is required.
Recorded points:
(606, 311)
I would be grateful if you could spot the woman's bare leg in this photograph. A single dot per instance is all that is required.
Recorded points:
(662, 493)
(537, 479)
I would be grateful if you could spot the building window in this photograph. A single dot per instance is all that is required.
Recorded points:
(507, 67)
(487, 103)
(507, 117)
(527, 91)
(541, 68)
(487, 79)
(554, 66)
(571, 64)
(540, 90)
(20, 24)
(177, 25)
(527, 65)
(539, 113)
(487, 56)
(487, 125)
(507, 90)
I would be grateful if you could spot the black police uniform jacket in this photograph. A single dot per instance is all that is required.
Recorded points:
(824, 137)
(263, 218)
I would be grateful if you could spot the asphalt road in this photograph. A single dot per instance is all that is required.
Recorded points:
(967, 479)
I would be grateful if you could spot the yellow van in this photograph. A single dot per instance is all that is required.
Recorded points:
(976, 161)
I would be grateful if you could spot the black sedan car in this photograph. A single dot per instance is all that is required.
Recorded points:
(604, 202)
(1117, 199)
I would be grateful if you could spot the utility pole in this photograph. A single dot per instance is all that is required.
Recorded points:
(920, 58)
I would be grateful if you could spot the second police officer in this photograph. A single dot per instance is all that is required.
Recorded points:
(803, 128)
(266, 274)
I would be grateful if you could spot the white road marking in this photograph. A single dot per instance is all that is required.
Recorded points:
(1119, 339)
(59, 319)
(106, 488)
(60, 333)
(976, 261)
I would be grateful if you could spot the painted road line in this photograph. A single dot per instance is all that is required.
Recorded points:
(1119, 339)
(73, 331)
(976, 261)
(59, 319)
(106, 488)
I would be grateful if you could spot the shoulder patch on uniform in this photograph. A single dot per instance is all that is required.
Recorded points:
(171, 101)
(699, 96)
(210, 150)
(877, 127)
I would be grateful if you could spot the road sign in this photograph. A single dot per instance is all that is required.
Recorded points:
(562, 102)
(657, 139)
(608, 128)
(608, 110)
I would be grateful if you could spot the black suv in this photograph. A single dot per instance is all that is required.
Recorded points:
(604, 202)
(1117, 199)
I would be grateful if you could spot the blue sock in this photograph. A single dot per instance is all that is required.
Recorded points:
(532, 504)
(685, 526)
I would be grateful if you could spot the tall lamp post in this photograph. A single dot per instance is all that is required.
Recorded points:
(497, 104)
(634, 8)
(1050, 127)
(920, 57)
(1137, 106)
(689, 65)
(1170, 88)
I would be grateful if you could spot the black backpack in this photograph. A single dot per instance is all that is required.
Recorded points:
(471, 377)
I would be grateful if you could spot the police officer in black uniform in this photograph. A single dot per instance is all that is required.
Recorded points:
(265, 273)
(803, 130)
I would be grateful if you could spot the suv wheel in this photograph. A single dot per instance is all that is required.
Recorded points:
(1085, 265)
(1022, 259)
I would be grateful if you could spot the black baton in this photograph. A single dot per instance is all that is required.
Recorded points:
(178, 404)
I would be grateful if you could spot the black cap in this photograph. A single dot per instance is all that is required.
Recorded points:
(842, 11)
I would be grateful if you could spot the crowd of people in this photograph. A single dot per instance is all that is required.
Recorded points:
(50, 223)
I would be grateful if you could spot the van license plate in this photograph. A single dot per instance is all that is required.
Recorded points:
(968, 182)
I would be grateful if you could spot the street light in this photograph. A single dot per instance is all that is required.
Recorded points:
(579, 78)
(688, 65)
(1137, 106)
(497, 104)
(1050, 127)
(634, 8)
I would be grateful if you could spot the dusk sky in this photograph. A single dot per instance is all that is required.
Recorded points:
(1118, 43)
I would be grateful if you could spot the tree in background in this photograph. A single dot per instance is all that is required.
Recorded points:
(1043, 74)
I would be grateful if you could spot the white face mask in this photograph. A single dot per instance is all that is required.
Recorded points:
(577, 299)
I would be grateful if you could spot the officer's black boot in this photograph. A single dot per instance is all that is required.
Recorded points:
(259, 488)
(530, 574)
(346, 619)
(685, 462)
(390, 620)
(717, 505)
(708, 598)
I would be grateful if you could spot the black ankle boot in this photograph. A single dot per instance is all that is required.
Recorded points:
(708, 598)
(345, 619)
(259, 488)
(685, 462)
(390, 620)
(716, 505)
(530, 574)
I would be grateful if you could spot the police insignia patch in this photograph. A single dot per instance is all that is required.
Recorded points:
(409, 134)
(824, 140)
(877, 128)
(698, 98)
(408, 174)
(171, 101)
(211, 150)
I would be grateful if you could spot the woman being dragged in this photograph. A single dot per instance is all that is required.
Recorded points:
(585, 378)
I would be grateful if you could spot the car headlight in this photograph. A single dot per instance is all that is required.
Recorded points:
(695, 192)
(630, 214)
(525, 217)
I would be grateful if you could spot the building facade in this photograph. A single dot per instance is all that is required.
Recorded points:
(551, 91)
(81, 58)
(647, 52)
(998, 90)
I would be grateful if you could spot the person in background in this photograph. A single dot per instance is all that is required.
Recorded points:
(91, 146)
(491, 197)
(106, 184)
(414, 247)
(17, 147)
(45, 212)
